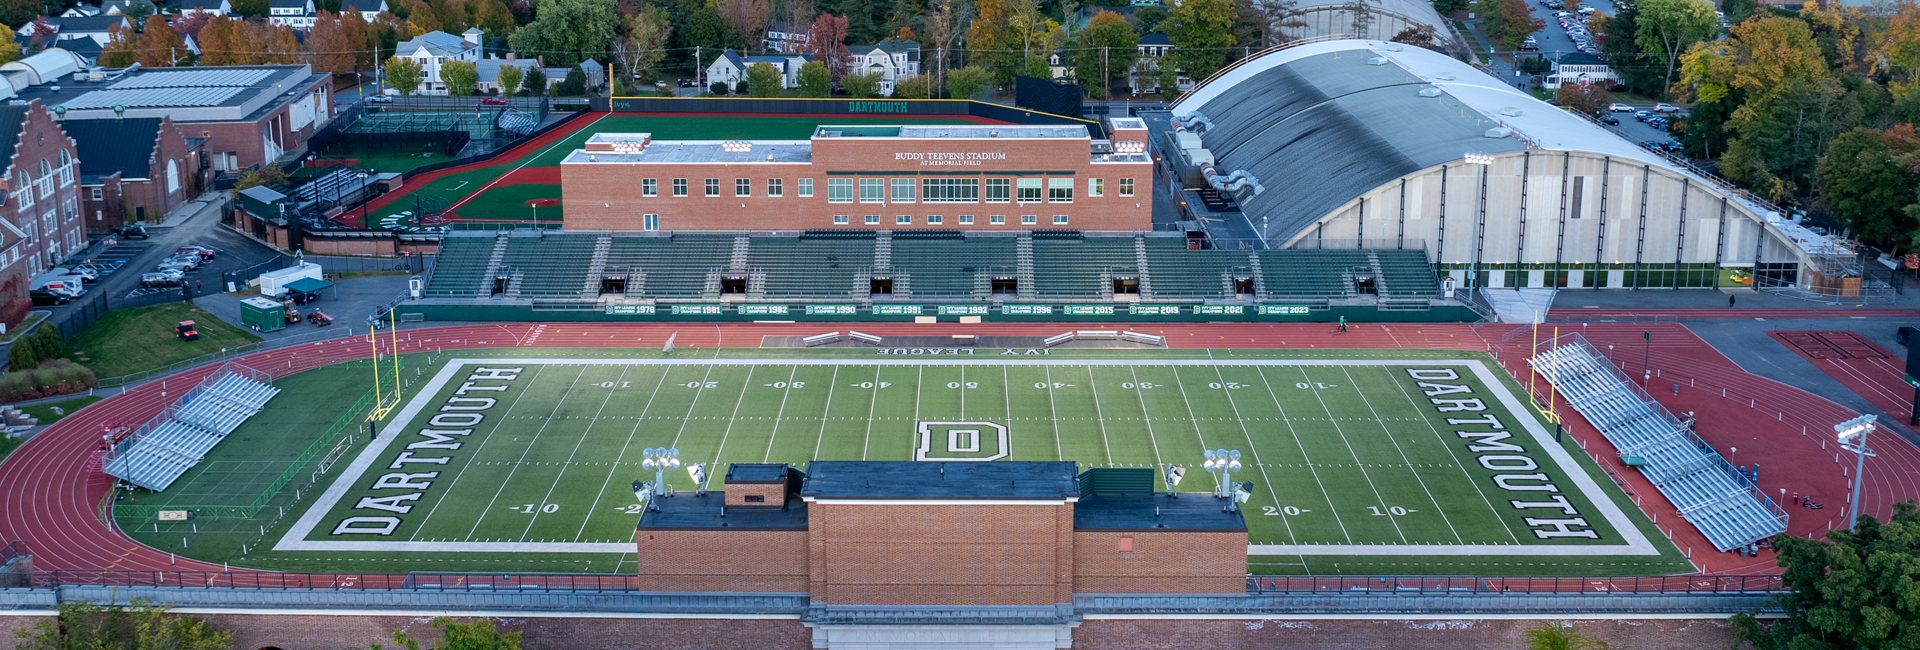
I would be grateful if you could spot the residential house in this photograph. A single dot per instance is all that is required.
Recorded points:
(94, 28)
(595, 73)
(134, 168)
(433, 49)
(369, 9)
(489, 69)
(1145, 75)
(786, 37)
(731, 68)
(1581, 68)
(215, 7)
(298, 14)
(40, 222)
(1155, 44)
(79, 10)
(1057, 64)
(895, 61)
(117, 7)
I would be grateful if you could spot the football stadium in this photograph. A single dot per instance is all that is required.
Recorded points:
(933, 373)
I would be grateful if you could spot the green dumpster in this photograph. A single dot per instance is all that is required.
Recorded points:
(263, 315)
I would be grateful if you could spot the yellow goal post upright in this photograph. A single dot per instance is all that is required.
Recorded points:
(384, 401)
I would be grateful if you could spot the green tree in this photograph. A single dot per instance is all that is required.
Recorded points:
(9, 49)
(403, 75)
(139, 625)
(1169, 81)
(535, 83)
(1445, 7)
(1104, 49)
(1010, 34)
(1667, 28)
(861, 86)
(1861, 183)
(763, 80)
(567, 32)
(510, 80)
(1202, 33)
(967, 82)
(645, 43)
(574, 85)
(919, 87)
(478, 635)
(460, 76)
(1788, 102)
(816, 80)
(1558, 635)
(1850, 590)
(719, 88)
(1511, 22)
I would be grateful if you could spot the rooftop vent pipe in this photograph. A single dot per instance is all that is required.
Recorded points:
(1193, 121)
(1238, 180)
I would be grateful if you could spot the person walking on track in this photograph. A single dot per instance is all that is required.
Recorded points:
(1343, 324)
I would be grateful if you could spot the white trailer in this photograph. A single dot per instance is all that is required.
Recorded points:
(274, 283)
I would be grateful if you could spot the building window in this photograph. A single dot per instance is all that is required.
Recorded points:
(742, 187)
(873, 220)
(1029, 190)
(66, 168)
(999, 190)
(933, 220)
(1059, 190)
(1096, 187)
(903, 190)
(949, 190)
(1028, 219)
(1126, 187)
(839, 190)
(652, 222)
(806, 188)
(841, 219)
(649, 187)
(173, 176)
(997, 219)
(679, 187)
(873, 190)
(713, 187)
(966, 220)
(95, 193)
(903, 220)
(1059, 219)
(774, 187)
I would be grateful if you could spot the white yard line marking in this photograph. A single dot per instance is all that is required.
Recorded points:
(562, 476)
(779, 414)
(1451, 451)
(1432, 500)
(697, 392)
(504, 416)
(1053, 412)
(1357, 463)
(1252, 449)
(622, 456)
(713, 470)
(825, 410)
(871, 405)
(515, 467)
(1312, 468)
(1093, 386)
(1137, 393)
(919, 380)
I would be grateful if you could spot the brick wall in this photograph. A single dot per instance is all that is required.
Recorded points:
(722, 560)
(267, 233)
(10, 623)
(772, 494)
(1655, 634)
(153, 194)
(1160, 563)
(54, 219)
(607, 196)
(940, 554)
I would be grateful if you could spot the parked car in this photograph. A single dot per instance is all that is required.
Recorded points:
(1642, 115)
(1609, 120)
(45, 298)
(203, 252)
(381, 99)
(135, 231)
(492, 101)
(160, 279)
(84, 273)
(1619, 108)
(183, 262)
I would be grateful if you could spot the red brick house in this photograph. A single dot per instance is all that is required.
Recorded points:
(40, 214)
(134, 169)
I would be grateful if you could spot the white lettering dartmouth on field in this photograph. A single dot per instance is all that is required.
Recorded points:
(1489, 437)
(414, 471)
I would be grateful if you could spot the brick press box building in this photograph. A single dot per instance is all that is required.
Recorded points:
(946, 177)
(905, 554)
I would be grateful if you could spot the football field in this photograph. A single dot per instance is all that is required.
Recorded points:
(1389, 462)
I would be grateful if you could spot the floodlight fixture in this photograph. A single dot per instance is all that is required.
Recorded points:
(736, 146)
(698, 472)
(1478, 159)
(1222, 463)
(1130, 146)
(1174, 474)
(1853, 437)
(1856, 426)
(659, 459)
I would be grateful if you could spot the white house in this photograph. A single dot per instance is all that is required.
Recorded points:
(116, 7)
(435, 48)
(1581, 68)
(895, 61)
(298, 14)
(1057, 64)
(731, 68)
(786, 37)
(215, 7)
(1155, 44)
(82, 9)
(489, 69)
(369, 9)
(92, 27)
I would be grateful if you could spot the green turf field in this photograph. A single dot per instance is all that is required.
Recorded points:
(510, 202)
(1356, 470)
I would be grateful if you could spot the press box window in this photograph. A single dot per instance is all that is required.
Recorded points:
(713, 187)
(742, 187)
(1126, 187)
(999, 190)
(679, 187)
(1028, 219)
(774, 187)
(949, 190)
(873, 220)
(903, 220)
(839, 190)
(997, 219)
(903, 190)
(1059, 219)
(652, 221)
(966, 220)
(1096, 187)
(1059, 190)
(841, 219)
(933, 220)
(649, 187)
(873, 190)
(1029, 189)
(806, 188)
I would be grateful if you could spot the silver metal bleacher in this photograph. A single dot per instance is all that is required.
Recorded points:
(157, 453)
(1700, 482)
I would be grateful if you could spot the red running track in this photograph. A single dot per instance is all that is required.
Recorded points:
(49, 499)
(1867, 369)
(1575, 314)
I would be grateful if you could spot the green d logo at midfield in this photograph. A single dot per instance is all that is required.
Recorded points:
(961, 441)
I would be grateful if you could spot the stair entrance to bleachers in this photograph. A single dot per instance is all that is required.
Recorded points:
(1243, 286)
(882, 286)
(1007, 286)
(613, 285)
(733, 284)
(500, 284)
(1126, 286)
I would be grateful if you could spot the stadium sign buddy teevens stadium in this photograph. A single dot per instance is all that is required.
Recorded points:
(1514, 471)
(457, 416)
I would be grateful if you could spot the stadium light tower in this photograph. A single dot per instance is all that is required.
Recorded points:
(660, 459)
(1853, 437)
(1222, 463)
(1174, 474)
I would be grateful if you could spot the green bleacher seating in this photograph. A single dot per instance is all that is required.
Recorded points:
(1308, 274)
(945, 266)
(1176, 272)
(1406, 274)
(1072, 266)
(458, 267)
(551, 266)
(675, 266)
(811, 266)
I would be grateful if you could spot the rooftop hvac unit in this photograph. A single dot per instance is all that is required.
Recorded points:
(1499, 132)
(1510, 111)
(1444, 76)
(1429, 92)
(1187, 140)
(1197, 157)
(1390, 46)
(1378, 60)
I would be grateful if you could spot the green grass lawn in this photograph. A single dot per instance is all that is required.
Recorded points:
(384, 162)
(1355, 471)
(454, 187)
(510, 202)
(45, 412)
(126, 341)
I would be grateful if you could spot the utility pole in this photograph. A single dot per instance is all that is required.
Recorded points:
(1105, 74)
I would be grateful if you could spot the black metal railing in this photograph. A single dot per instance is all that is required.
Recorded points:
(1523, 585)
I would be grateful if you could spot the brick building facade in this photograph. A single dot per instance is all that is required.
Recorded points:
(958, 177)
(135, 169)
(40, 215)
